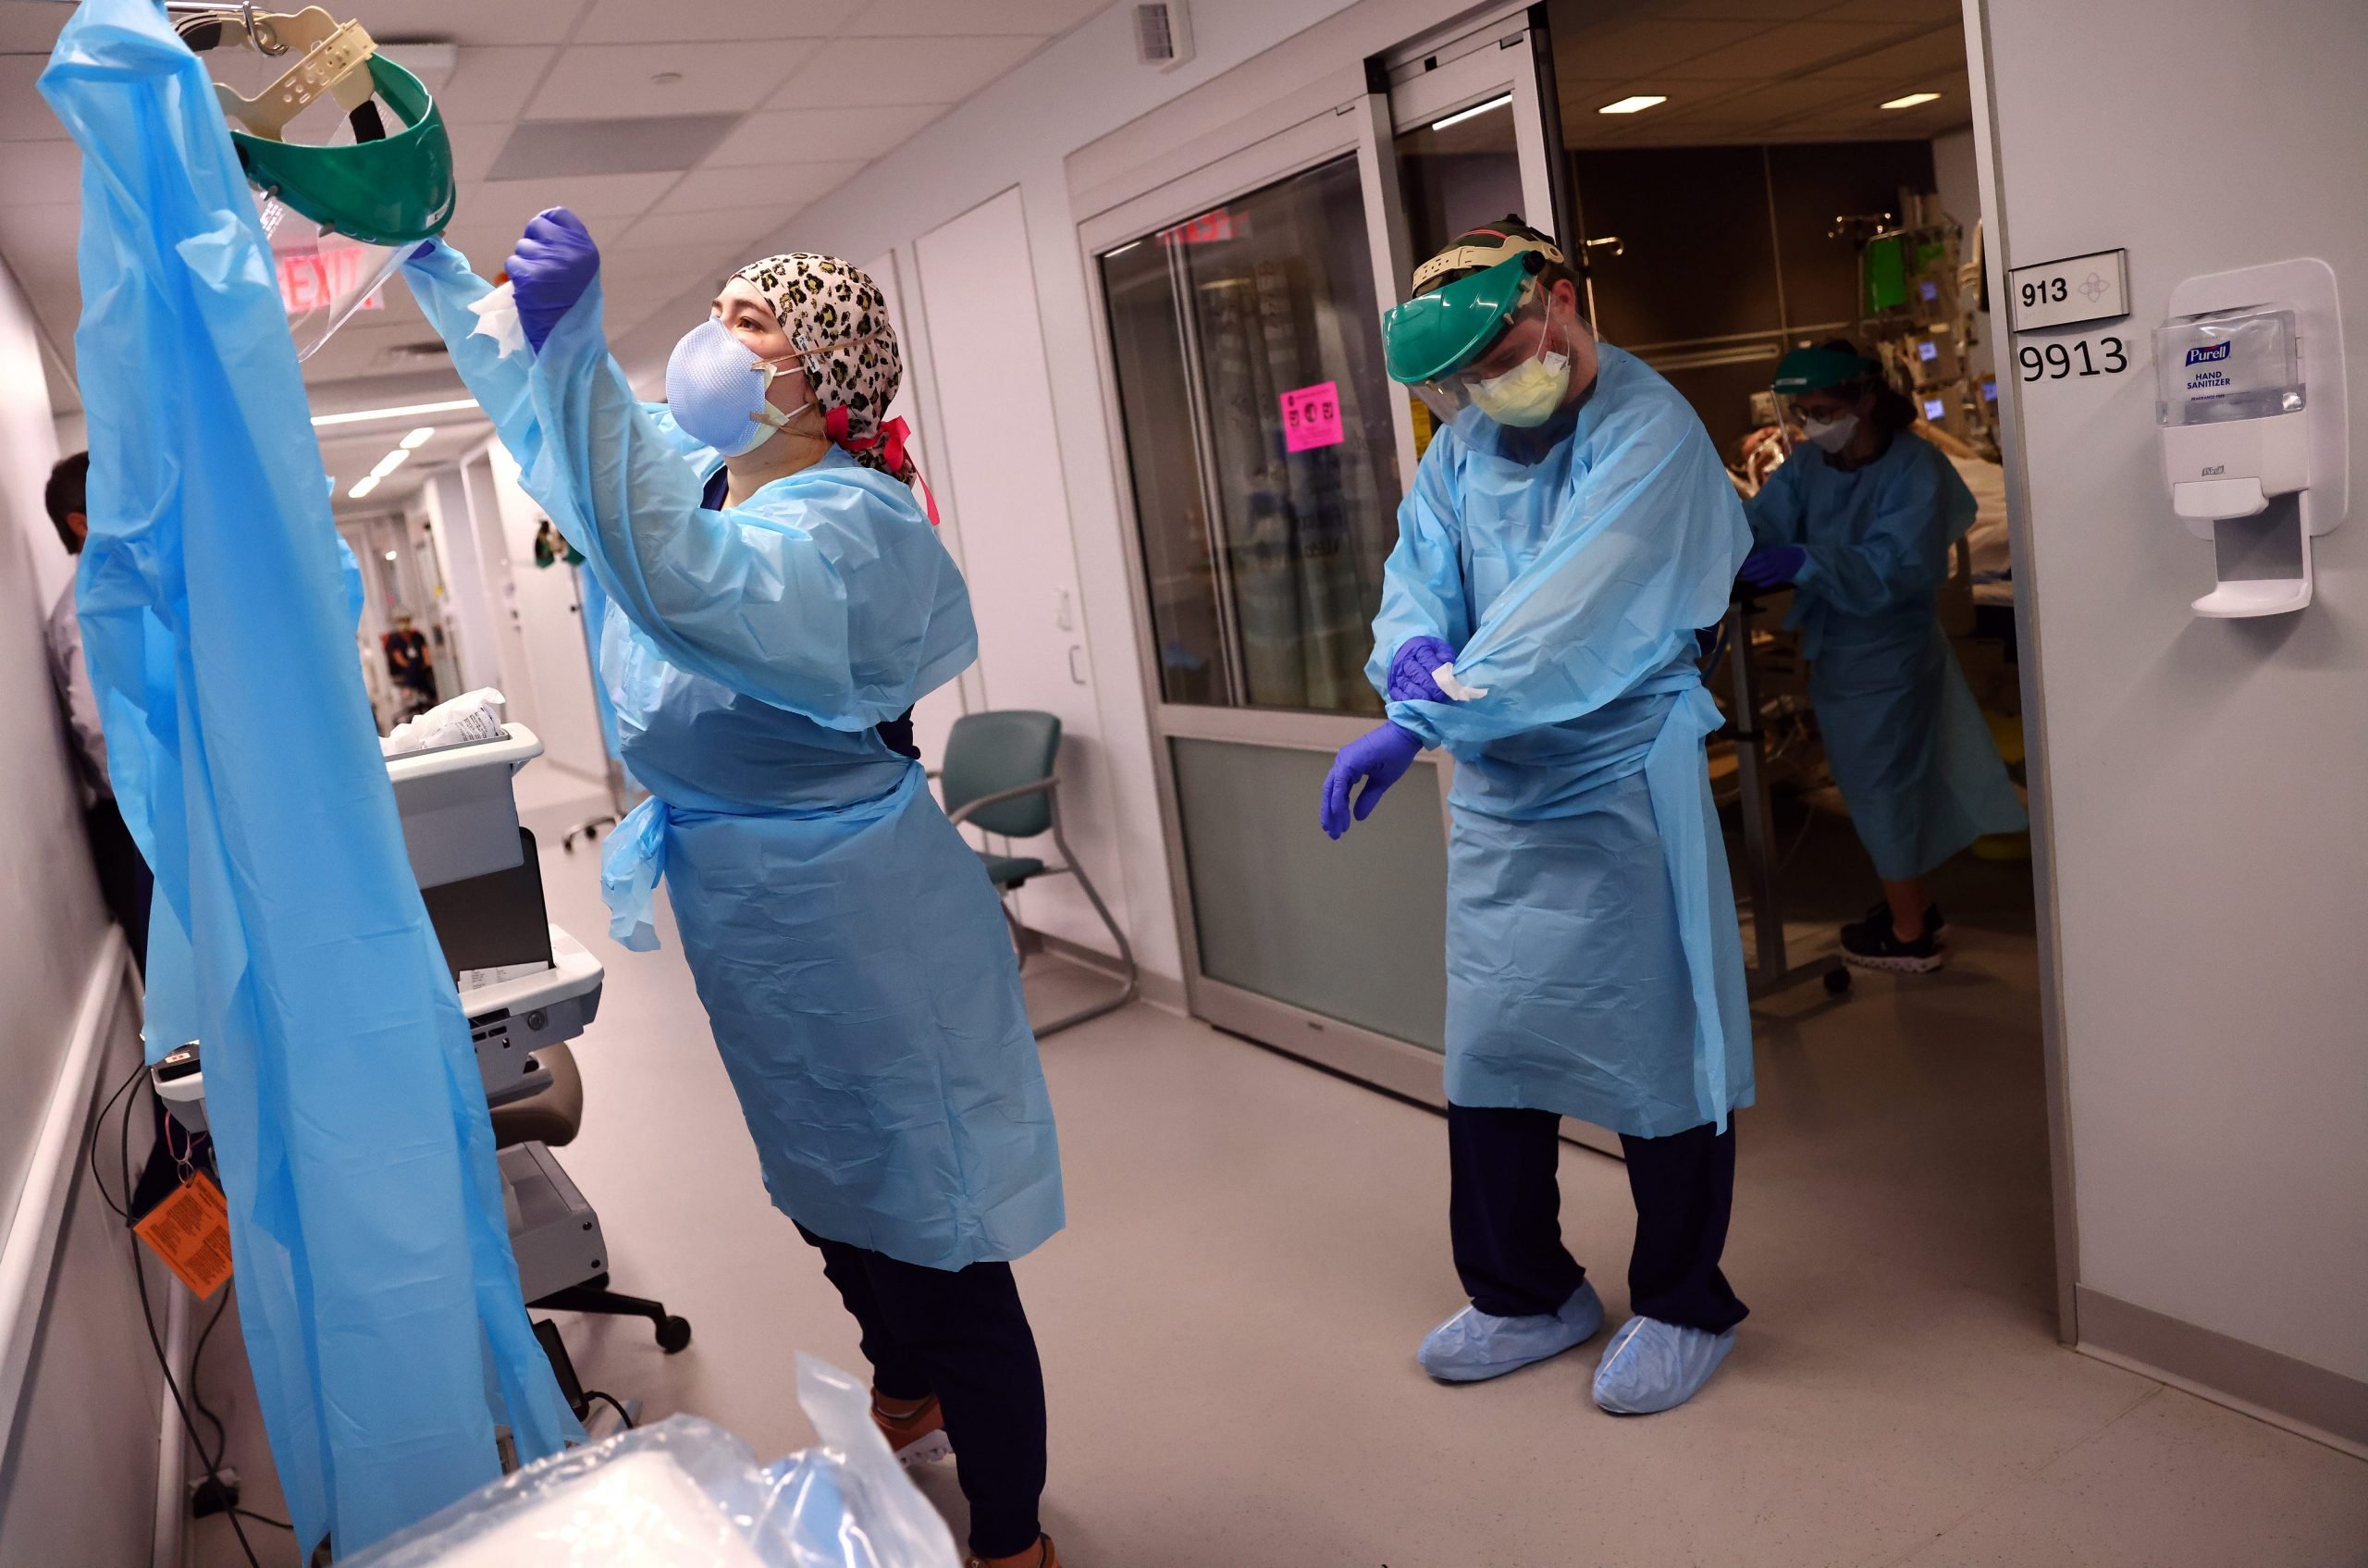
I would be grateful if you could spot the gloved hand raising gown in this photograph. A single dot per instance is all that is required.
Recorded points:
(1591, 576)
(1378, 758)
(554, 263)
(808, 604)
(1773, 566)
(1413, 673)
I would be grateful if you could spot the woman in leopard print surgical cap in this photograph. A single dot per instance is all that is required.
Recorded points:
(782, 601)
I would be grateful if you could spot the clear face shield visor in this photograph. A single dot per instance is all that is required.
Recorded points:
(1827, 418)
(1519, 377)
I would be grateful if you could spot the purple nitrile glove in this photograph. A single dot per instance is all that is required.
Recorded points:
(554, 263)
(1775, 566)
(1379, 757)
(1410, 672)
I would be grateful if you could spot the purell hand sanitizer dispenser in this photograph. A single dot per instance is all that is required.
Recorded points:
(2255, 446)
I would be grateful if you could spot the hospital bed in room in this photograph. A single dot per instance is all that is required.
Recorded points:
(528, 987)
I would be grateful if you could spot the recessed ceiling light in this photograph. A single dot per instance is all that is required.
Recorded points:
(418, 437)
(1912, 100)
(362, 487)
(389, 464)
(405, 412)
(1634, 103)
(390, 555)
(1476, 110)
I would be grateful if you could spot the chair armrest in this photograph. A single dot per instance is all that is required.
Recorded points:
(972, 807)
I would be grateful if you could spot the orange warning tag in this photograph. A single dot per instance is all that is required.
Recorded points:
(190, 1230)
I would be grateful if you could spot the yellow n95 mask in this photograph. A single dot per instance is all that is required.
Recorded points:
(1527, 395)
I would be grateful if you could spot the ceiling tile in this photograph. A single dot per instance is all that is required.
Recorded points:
(490, 85)
(45, 172)
(1895, 13)
(1778, 52)
(918, 19)
(24, 113)
(613, 81)
(1760, 12)
(706, 190)
(479, 21)
(1627, 51)
(639, 22)
(31, 25)
(1940, 52)
(727, 228)
(599, 200)
(474, 149)
(858, 71)
(816, 135)
(1780, 100)
(553, 149)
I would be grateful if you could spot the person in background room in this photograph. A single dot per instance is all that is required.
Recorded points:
(1858, 521)
(123, 879)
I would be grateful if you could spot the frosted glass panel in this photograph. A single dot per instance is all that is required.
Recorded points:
(1357, 930)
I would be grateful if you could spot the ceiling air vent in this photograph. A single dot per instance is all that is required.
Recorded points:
(420, 353)
(1162, 34)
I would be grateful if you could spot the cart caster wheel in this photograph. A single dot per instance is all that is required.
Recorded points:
(1837, 981)
(674, 1334)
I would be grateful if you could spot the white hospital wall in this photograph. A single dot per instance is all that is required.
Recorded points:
(74, 1364)
(2204, 780)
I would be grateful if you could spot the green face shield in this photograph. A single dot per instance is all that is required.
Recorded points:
(1429, 336)
(1820, 370)
(395, 190)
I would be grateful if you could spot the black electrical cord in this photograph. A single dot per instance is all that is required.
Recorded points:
(264, 1519)
(147, 1309)
(91, 1151)
(196, 1361)
(612, 1401)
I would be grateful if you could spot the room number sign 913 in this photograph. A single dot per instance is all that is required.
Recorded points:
(2105, 356)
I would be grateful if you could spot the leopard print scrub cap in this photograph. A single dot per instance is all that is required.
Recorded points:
(833, 310)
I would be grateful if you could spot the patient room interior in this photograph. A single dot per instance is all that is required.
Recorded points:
(2051, 1243)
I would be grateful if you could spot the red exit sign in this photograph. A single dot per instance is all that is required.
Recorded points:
(311, 280)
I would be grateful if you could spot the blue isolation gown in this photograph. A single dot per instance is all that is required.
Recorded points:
(851, 953)
(1906, 740)
(1594, 964)
(378, 1297)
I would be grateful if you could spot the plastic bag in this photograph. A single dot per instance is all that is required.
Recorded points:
(685, 1493)
(470, 717)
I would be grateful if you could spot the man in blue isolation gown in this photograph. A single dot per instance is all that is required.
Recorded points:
(1858, 521)
(1570, 527)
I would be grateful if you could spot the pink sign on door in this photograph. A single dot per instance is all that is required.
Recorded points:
(1311, 416)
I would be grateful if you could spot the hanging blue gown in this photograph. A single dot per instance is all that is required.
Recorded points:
(378, 1295)
(850, 952)
(1906, 741)
(1595, 966)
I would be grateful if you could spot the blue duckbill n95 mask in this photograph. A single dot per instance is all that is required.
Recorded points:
(715, 387)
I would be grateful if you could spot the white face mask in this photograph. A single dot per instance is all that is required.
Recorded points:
(1832, 435)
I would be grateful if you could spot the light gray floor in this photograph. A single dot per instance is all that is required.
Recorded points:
(1256, 1248)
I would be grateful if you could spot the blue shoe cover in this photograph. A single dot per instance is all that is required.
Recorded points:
(1651, 1366)
(1473, 1346)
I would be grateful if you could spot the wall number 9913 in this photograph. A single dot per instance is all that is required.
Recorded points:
(2077, 358)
